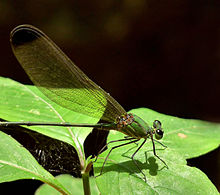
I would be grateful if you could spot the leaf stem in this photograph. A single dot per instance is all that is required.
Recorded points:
(86, 185)
(85, 176)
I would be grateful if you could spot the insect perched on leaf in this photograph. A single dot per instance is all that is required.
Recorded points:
(65, 84)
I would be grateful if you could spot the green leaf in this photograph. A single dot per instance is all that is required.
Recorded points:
(184, 139)
(17, 163)
(74, 185)
(26, 103)
(190, 138)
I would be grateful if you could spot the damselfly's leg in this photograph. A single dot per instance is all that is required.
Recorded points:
(160, 143)
(126, 139)
(113, 149)
(129, 137)
(154, 150)
(132, 157)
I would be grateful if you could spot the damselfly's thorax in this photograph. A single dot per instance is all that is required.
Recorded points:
(134, 126)
(124, 120)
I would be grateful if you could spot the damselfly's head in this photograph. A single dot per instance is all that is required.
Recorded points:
(157, 129)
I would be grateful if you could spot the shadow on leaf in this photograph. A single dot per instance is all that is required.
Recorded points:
(129, 167)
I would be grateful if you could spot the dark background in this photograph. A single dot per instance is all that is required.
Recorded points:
(164, 55)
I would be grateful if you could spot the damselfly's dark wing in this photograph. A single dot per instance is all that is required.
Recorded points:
(58, 77)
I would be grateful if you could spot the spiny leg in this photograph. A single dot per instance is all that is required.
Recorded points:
(160, 143)
(126, 139)
(154, 150)
(132, 157)
(127, 136)
(113, 149)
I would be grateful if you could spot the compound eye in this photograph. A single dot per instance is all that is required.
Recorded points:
(157, 124)
(159, 134)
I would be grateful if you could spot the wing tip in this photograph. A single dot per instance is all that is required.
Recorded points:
(24, 34)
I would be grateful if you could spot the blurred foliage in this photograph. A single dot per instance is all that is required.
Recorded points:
(172, 46)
